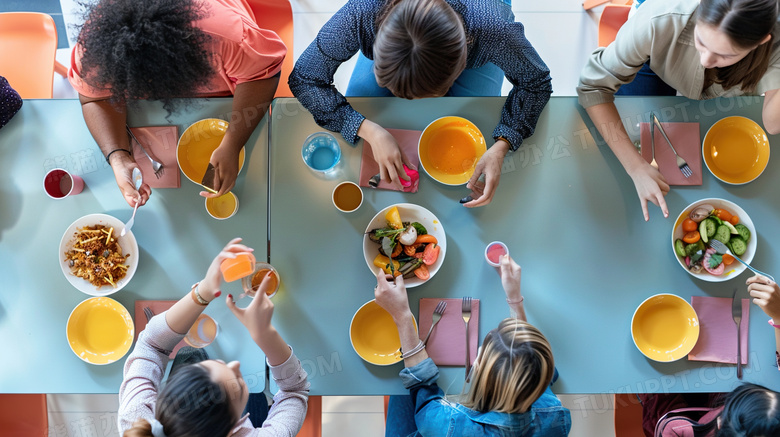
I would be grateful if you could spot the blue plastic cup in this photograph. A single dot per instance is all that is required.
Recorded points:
(321, 152)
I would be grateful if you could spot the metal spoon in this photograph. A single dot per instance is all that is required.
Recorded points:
(138, 180)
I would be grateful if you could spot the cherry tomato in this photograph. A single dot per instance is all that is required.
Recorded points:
(430, 254)
(723, 214)
(727, 259)
(689, 225)
(734, 219)
(422, 272)
(691, 237)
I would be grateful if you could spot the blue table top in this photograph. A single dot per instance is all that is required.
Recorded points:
(571, 218)
(176, 237)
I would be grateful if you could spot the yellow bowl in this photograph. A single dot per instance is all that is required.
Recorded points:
(450, 148)
(736, 150)
(100, 330)
(374, 336)
(196, 145)
(665, 327)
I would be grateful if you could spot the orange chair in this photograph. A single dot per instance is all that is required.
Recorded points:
(312, 424)
(277, 15)
(23, 415)
(28, 44)
(612, 18)
(628, 415)
(590, 4)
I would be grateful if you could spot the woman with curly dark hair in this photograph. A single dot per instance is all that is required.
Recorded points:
(165, 49)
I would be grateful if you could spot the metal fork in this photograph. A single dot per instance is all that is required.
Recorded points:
(681, 164)
(736, 314)
(435, 317)
(156, 166)
(149, 314)
(466, 310)
(722, 248)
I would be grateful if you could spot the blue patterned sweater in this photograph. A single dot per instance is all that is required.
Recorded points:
(494, 37)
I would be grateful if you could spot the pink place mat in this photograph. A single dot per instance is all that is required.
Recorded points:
(407, 140)
(718, 333)
(160, 142)
(447, 345)
(686, 140)
(157, 307)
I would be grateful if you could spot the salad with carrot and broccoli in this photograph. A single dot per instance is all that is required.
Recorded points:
(704, 224)
(404, 248)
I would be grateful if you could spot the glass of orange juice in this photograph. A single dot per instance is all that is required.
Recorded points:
(203, 332)
(252, 282)
(236, 268)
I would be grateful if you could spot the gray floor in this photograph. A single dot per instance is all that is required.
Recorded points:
(562, 33)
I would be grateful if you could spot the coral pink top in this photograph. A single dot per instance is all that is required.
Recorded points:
(242, 52)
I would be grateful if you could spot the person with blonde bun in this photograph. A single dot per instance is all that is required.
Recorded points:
(510, 392)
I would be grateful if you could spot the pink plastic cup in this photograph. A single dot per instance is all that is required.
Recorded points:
(493, 252)
(59, 184)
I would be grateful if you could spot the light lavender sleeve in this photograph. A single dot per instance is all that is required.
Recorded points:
(144, 370)
(285, 418)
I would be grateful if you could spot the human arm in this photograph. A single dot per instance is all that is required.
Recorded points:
(766, 294)
(386, 151)
(145, 367)
(106, 122)
(771, 112)
(510, 280)
(393, 298)
(648, 181)
(505, 45)
(288, 411)
(489, 166)
(250, 103)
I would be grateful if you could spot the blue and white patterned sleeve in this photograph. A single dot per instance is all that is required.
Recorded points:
(311, 81)
(508, 48)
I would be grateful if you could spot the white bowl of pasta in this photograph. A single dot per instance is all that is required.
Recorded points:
(94, 258)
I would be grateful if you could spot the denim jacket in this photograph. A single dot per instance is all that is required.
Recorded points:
(435, 416)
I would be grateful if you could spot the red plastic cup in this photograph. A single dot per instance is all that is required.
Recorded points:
(59, 184)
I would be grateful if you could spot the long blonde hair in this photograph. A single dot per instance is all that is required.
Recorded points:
(515, 367)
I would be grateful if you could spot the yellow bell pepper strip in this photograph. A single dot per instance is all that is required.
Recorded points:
(393, 218)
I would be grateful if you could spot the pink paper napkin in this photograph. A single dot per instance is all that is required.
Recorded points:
(447, 345)
(718, 333)
(686, 140)
(407, 140)
(160, 142)
(157, 307)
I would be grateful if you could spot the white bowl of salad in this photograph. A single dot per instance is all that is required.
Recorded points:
(713, 219)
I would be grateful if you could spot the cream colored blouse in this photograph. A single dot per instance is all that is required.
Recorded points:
(660, 31)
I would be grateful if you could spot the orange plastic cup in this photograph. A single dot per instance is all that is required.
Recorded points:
(236, 268)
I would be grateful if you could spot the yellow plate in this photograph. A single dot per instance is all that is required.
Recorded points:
(374, 335)
(196, 145)
(736, 150)
(100, 330)
(665, 327)
(449, 149)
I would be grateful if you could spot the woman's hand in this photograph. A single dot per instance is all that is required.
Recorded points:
(392, 296)
(765, 294)
(209, 286)
(123, 165)
(650, 185)
(510, 278)
(225, 162)
(386, 153)
(257, 316)
(489, 166)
